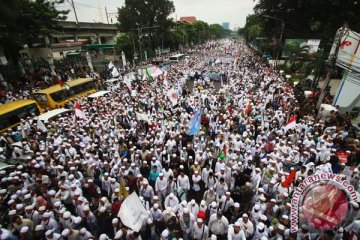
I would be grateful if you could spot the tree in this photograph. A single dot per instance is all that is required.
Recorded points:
(22, 21)
(253, 27)
(149, 13)
(125, 43)
(217, 31)
(297, 57)
(309, 19)
(254, 32)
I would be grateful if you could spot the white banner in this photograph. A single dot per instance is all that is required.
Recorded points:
(143, 117)
(132, 213)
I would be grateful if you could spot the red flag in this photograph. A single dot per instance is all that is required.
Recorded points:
(61, 83)
(287, 182)
(291, 123)
(248, 109)
(224, 150)
(79, 112)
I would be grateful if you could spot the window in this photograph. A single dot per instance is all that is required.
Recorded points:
(40, 97)
(73, 91)
(59, 96)
(14, 117)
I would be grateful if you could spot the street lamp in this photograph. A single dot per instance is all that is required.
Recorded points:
(281, 35)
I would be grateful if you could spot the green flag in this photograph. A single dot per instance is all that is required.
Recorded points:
(222, 156)
(149, 77)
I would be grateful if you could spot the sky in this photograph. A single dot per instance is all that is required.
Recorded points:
(210, 11)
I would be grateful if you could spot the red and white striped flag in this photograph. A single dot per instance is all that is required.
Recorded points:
(79, 112)
(291, 123)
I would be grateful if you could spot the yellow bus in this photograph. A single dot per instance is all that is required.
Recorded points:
(11, 113)
(57, 96)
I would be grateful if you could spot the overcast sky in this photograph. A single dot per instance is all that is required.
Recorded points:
(211, 11)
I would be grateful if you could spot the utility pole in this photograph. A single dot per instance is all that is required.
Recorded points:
(73, 6)
(344, 29)
(281, 36)
(139, 29)
(107, 17)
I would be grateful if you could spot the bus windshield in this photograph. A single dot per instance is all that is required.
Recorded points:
(13, 117)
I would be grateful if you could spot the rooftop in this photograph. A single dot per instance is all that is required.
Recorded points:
(190, 19)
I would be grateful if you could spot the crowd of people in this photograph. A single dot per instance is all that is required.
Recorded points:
(232, 179)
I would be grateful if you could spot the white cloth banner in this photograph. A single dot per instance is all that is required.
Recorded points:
(143, 117)
(132, 213)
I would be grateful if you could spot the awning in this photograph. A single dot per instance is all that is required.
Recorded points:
(99, 46)
(73, 53)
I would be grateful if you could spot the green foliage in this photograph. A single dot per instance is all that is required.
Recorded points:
(180, 35)
(298, 55)
(309, 19)
(253, 27)
(254, 32)
(24, 20)
(124, 43)
(149, 13)
(217, 31)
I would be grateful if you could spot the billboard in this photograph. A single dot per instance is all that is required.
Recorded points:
(349, 53)
(290, 44)
(348, 93)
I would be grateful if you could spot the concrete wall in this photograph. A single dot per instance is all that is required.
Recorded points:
(35, 53)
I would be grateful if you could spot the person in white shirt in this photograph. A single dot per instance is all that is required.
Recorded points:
(193, 207)
(235, 232)
(161, 184)
(187, 220)
(200, 230)
(183, 182)
(196, 178)
(246, 225)
(221, 187)
(205, 174)
(167, 172)
(146, 191)
(226, 202)
(218, 224)
(219, 164)
(172, 201)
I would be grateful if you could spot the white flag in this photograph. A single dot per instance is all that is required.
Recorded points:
(110, 65)
(40, 125)
(132, 213)
(173, 96)
(127, 82)
(115, 72)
